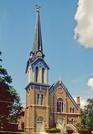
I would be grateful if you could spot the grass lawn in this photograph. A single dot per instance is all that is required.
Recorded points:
(5, 132)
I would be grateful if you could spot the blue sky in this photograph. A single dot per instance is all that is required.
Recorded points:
(67, 59)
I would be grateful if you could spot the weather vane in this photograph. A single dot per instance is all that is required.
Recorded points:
(37, 7)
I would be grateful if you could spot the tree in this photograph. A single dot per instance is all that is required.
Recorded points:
(86, 117)
(9, 99)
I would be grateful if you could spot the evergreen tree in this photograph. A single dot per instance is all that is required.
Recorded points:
(9, 99)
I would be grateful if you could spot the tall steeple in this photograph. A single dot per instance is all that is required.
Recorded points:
(37, 50)
(37, 68)
(37, 85)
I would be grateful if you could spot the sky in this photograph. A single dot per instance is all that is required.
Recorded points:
(67, 34)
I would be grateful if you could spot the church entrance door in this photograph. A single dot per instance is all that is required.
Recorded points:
(40, 125)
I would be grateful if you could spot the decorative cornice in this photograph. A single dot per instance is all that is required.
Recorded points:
(64, 113)
(37, 84)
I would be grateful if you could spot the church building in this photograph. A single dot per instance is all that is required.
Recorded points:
(46, 105)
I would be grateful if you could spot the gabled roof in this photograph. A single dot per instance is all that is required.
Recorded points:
(60, 83)
(32, 62)
(38, 60)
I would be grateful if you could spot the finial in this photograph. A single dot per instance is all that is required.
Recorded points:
(37, 8)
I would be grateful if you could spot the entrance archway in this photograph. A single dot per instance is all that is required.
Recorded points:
(40, 124)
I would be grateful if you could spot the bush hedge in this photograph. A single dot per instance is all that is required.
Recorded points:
(7, 132)
(53, 130)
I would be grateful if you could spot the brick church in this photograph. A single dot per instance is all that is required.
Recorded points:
(46, 105)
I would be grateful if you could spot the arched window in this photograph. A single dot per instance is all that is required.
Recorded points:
(72, 109)
(39, 99)
(72, 121)
(43, 70)
(36, 78)
(60, 105)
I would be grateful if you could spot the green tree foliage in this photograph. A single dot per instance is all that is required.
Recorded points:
(86, 117)
(9, 99)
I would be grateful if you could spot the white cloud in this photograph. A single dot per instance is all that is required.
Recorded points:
(90, 83)
(84, 23)
(83, 102)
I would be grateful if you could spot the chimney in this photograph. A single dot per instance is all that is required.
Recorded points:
(78, 100)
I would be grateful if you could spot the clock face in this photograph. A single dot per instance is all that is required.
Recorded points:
(39, 54)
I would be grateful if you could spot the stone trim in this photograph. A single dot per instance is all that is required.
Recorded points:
(64, 113)
(37, 106)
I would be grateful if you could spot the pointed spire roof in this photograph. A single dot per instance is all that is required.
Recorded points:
(37, 45)
(37, 52)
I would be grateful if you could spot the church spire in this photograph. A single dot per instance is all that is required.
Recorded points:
(37, 45)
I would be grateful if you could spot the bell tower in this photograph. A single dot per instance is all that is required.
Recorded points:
(37, 109)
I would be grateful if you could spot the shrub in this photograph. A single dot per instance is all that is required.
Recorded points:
(53, 130)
